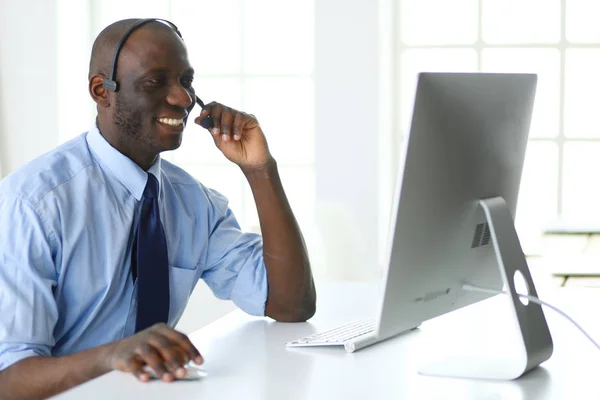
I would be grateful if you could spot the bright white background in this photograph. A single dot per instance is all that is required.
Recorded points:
(304, 68)
(332, 84)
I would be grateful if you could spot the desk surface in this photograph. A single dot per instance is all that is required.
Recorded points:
(246, 357)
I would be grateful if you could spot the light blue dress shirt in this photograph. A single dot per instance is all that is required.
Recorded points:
(67, 222)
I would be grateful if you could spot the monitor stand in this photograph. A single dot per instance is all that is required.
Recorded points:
(532, 326)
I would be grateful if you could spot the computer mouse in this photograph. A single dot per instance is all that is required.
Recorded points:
(193, 373)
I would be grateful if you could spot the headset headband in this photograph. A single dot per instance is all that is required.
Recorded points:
(110, 83)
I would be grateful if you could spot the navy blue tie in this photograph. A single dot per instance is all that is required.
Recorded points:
(151, 262)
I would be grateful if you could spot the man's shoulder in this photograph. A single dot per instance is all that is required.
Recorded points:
(33, 180)
(183, 181)
(179, 176)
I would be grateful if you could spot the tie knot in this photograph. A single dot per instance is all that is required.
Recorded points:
(151, 190)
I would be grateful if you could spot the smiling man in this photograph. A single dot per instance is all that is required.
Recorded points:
(102, 242)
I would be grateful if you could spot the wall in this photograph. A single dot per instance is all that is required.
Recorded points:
(28, 107)
(347, 136)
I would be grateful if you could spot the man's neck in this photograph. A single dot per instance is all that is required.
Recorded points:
(124, 145)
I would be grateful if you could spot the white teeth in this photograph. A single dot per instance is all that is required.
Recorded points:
(171, 121)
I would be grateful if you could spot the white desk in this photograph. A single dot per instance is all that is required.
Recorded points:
(246, 359)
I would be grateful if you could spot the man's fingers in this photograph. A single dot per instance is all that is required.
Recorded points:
(205, 112)
(207, 109)
(173, 354)
(226, 123)
(136, 367)
(238, 125)
(158, 350)
(183, 342)
(215, 112)
(152, 357)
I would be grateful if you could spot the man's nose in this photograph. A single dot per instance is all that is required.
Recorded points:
(179, 96)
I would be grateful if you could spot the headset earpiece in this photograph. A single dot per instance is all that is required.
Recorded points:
(110, 85)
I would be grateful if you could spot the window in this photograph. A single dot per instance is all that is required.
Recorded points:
(558, 40)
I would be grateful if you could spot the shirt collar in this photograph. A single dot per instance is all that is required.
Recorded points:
(122, 167)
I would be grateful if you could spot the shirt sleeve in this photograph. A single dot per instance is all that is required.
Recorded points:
(235, 266)
(27, 277)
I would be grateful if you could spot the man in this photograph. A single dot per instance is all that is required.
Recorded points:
(90, 232)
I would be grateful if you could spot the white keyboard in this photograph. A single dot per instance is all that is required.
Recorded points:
(336, 336)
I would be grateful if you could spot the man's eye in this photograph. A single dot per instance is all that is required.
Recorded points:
(154, 81)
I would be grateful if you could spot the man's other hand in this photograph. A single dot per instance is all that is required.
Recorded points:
(238, 135)
(163, 349)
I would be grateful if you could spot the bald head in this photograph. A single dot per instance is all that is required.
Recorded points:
(106, 42)
(154, 79)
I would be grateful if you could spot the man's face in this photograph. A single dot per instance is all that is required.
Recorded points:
(155, 90)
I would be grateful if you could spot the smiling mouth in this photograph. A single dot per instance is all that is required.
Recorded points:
(170, 121)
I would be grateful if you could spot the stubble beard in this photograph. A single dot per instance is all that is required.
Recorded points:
(129, 122)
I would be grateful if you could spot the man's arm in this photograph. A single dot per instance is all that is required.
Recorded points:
(40, 377)
(291, 290)
(159, 347)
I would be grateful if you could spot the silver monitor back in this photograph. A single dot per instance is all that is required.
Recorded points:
(467, 142)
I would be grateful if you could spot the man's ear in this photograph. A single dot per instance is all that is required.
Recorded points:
(98, 92)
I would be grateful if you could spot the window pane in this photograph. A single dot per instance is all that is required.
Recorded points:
(226, 91)
(76, 110)
(545, 63)
(226, 179)
(285, 109)
(212, 33)
(105, 12)
(539, 187)
(198, 145)
(438, 21)
(582, 85)
(278, 36)
(581, 194)
(582, 21)
(435, 60)
(518, 21)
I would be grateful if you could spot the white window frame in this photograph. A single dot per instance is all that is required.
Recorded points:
(563, 45)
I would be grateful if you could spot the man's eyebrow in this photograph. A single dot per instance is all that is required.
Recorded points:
(156, 69)
(189, 71)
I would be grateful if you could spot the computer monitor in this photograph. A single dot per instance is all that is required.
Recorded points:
(455, 199)
(452, 220)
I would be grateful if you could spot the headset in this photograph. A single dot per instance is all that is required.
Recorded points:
(112, 85)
